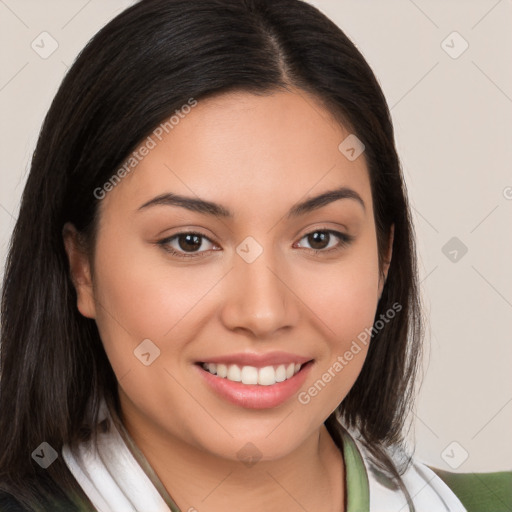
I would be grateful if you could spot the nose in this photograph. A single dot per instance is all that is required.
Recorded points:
(259, 297)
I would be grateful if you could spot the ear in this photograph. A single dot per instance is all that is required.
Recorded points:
(387, 260)
(80, 270)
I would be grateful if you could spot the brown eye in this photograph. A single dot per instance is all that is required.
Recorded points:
(186, 244)
(320, 240)
(189, 241)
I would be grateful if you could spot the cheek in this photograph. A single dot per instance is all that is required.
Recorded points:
(344, 295)
(140, 287)
(346, 301)
(136, 299)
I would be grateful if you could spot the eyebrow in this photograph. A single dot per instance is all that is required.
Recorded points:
(210, 208)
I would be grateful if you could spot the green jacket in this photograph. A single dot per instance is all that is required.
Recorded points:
(480, 492)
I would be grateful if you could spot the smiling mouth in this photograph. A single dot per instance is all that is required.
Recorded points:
(265, 376)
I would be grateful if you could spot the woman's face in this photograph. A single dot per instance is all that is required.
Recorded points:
(248, 284)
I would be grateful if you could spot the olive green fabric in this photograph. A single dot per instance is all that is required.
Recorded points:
(480, 492)
(356, 478)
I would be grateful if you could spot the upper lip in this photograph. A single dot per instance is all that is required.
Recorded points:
(258, 360)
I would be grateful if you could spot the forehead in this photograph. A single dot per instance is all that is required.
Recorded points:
(247, 151)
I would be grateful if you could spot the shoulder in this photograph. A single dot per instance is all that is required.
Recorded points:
(10, 504)
(480, 492)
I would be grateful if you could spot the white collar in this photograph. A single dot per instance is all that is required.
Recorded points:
(114, 480)
(111, 477)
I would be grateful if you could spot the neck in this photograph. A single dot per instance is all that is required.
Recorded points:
(309, 478)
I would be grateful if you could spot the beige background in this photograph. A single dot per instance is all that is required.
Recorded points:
(453, 120)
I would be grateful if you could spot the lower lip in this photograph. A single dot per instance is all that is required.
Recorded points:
(255, 396)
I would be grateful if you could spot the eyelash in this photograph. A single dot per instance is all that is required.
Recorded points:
(344, 241)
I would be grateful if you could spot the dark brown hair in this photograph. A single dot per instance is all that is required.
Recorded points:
(133, 74)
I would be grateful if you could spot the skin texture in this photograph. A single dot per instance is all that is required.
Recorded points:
(257, 156)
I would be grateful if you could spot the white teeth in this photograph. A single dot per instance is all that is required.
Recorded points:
(280, 373)
(234, 373)
(222, 370)
(249, 375)
(266, 376)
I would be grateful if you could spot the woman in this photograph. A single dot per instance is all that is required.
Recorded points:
(211, 298)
